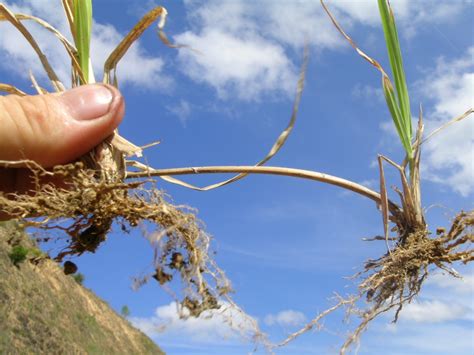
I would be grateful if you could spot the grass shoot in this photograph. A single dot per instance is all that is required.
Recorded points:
(82, 36)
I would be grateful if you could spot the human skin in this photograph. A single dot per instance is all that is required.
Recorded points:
(54, 129)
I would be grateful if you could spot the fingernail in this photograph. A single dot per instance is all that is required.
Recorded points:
(87, 102)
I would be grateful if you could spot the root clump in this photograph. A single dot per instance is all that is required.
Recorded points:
(396, 278)
(86, 204)
(398, 275)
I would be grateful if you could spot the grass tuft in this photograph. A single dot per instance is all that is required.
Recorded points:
(18, 254)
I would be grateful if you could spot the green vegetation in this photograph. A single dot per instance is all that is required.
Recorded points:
(399, 106)
(18, 254)
(79, 278)
(125, 311)
(82, 35)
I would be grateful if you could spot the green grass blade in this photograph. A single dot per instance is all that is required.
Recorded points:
(397, 115)
(83, 28)
(396, 63)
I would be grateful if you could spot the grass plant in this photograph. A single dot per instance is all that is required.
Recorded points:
(109, 185)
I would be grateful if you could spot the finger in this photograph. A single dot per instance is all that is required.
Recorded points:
(55, 129)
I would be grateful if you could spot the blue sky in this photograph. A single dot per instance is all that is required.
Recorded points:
(286, 245)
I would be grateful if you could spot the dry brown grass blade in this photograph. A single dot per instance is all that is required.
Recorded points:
(70, 49)
(266, 170)
(132, 36)
(276, 146)
(125, 146)
(35, 84)
(11, 89)
(10, 17)
(449, 123)
(410, 209)
(415, 174)
(164, 39)
(68, 45)
(149, 145)
(419, 133)
(352, 43)
(120, 143)
(384, 202)
(67, 7)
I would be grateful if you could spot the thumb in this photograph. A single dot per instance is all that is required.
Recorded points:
(57, 128)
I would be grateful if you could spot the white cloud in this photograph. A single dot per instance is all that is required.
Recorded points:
(243, 45)
(364, 11)
(182, 110)
(423, 13)
(300, 22)
(446, 311)
(447, 339)
(410, 15)
(434, 311)
(17, 55)
(246, 67)
(285, 318)
(444, 299)
(461, 287)
(449, 156)
(15, 52)
(448, 92)
(216, 326)
(440, 339)
(291, 24)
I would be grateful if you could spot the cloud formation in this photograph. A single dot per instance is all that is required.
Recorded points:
(216, 326)
(17, 55)
(448, 156)
(434, 311)
(438, 322)
(234, 66)
(285, 318)
(181, 110)
(243, 48)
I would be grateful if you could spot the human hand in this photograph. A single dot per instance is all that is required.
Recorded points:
(54, 128)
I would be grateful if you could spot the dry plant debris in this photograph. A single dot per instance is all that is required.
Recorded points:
(106, 187)
(86, 207)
